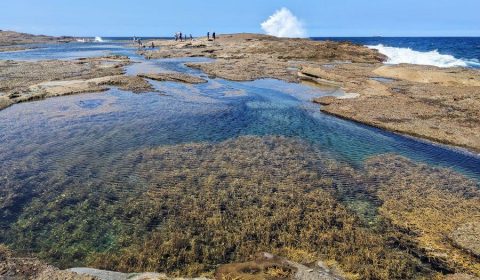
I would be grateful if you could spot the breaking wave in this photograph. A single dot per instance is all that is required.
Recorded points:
(99, 39)
(283, 23)
(434, 58)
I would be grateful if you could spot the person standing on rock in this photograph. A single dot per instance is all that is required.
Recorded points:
(213, 36)
(191, 37)
(208, 36)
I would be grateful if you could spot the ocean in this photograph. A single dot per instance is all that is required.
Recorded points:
(436, 51)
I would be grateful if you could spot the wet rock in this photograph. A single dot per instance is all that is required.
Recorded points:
(127, 83)
(174, 77)
(4, 102)
(325, 100)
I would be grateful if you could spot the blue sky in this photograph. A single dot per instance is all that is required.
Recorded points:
(162, 18)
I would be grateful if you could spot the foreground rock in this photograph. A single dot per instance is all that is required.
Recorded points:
(31, 268)
(268, 267)
(428, 102)
(112, 275)
(173, 77)
(25, 81)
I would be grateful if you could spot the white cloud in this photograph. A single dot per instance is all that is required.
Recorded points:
(284, 24)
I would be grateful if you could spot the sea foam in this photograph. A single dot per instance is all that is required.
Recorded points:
(434, 58)
(283, 23)
(99, 39)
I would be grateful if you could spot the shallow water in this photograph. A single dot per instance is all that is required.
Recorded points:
(46, 145)
(65, 51)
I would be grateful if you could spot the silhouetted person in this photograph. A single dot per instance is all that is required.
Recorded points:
(208, 36)
(213, 36)
(153, 45)
(191, 37)
(181, 38)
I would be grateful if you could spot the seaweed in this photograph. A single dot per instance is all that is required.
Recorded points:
(185, 209)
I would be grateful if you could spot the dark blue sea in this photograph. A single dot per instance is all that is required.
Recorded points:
(438, 51)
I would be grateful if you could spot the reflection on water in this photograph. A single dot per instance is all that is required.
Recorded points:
(80, 174)
(67, 51)
(212, 112)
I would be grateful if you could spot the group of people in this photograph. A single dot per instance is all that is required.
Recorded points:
(182, 37)
(179, 36)
(138, 41)
(214, 36)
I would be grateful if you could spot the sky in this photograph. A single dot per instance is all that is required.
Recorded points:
(318, 17)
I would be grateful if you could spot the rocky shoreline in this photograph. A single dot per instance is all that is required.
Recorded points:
(427, 102)
(438, 104)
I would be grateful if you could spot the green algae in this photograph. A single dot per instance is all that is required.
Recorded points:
(190, 207)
